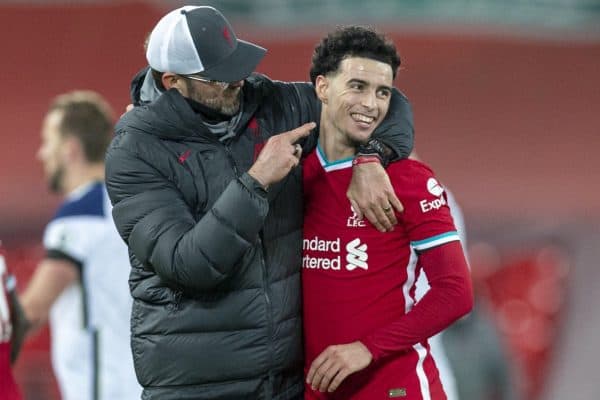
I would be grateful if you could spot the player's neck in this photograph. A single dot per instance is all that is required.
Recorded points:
(78, 177)
(334, 143)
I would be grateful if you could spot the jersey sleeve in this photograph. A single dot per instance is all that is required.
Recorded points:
(433, 236)
(450, 297)
(426, 215)
(72, 238)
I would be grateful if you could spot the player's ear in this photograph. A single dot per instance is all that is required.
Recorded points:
(169, 80)
(71, 149)
(321, 86)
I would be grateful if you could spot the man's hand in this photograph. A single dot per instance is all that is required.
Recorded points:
(371, 195)
(279, 156)
(335, 363)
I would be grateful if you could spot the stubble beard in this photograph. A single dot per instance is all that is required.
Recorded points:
(55, 180)
(229, 105)
(227, 102)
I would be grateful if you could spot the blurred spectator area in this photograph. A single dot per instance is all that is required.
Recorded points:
(570, 14)
(525, 291)
(505, 99)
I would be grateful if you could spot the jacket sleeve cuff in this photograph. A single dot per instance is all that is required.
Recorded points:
(253, 185)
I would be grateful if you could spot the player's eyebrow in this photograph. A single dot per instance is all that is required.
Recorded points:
(363, 82)
(356, 80)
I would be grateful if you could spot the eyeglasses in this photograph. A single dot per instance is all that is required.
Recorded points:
(221, 84)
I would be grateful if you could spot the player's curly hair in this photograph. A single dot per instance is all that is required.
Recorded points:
(352, 41)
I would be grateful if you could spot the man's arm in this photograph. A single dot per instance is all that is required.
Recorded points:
(370, 191)
(449, 298)
(50, 279)
(396, 131)
(164, 234)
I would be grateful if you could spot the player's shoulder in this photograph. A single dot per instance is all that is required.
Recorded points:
(89, 202)
(414, 179)
(408, 169)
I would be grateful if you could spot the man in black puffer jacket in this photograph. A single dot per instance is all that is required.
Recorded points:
(209, 201)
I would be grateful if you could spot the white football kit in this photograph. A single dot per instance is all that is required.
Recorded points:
(90, 321)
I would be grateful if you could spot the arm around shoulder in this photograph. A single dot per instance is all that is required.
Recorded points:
(396, 131)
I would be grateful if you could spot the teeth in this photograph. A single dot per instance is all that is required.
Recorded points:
(362, 118)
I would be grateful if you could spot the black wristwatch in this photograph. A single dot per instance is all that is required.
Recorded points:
(374, 147)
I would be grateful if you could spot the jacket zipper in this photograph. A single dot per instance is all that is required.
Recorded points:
(269, 305)
(231, 160)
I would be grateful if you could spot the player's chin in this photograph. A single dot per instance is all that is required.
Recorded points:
(361, 135)
(230, 108)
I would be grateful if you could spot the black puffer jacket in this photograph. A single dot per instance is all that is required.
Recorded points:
(215, 260)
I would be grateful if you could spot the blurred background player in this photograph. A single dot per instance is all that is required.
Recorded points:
(8, 386)
(81, 284)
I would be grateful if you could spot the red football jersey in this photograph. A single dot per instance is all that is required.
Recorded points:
(356, 279)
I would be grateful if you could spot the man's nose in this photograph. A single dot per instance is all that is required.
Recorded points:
(368, 100)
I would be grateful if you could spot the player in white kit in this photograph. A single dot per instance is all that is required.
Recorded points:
(81, 284)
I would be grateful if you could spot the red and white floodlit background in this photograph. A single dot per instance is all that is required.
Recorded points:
(507, 117)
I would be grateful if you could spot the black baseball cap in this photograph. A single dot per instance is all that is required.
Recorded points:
(199, 40)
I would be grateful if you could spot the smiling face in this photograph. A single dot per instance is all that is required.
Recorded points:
(355, 99)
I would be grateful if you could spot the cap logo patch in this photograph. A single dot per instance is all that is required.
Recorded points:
(227, 36)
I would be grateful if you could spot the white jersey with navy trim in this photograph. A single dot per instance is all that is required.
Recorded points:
(90, 321)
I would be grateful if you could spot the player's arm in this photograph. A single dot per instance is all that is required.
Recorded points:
(50, 279)
(20, 323)
(449, 298)
(433, 236)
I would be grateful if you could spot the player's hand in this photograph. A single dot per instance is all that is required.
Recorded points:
(335, 363)
(280, 154)
(371, 195)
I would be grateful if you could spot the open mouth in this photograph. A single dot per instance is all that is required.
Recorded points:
(362, 119)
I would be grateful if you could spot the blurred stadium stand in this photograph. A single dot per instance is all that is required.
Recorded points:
(505, 96)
